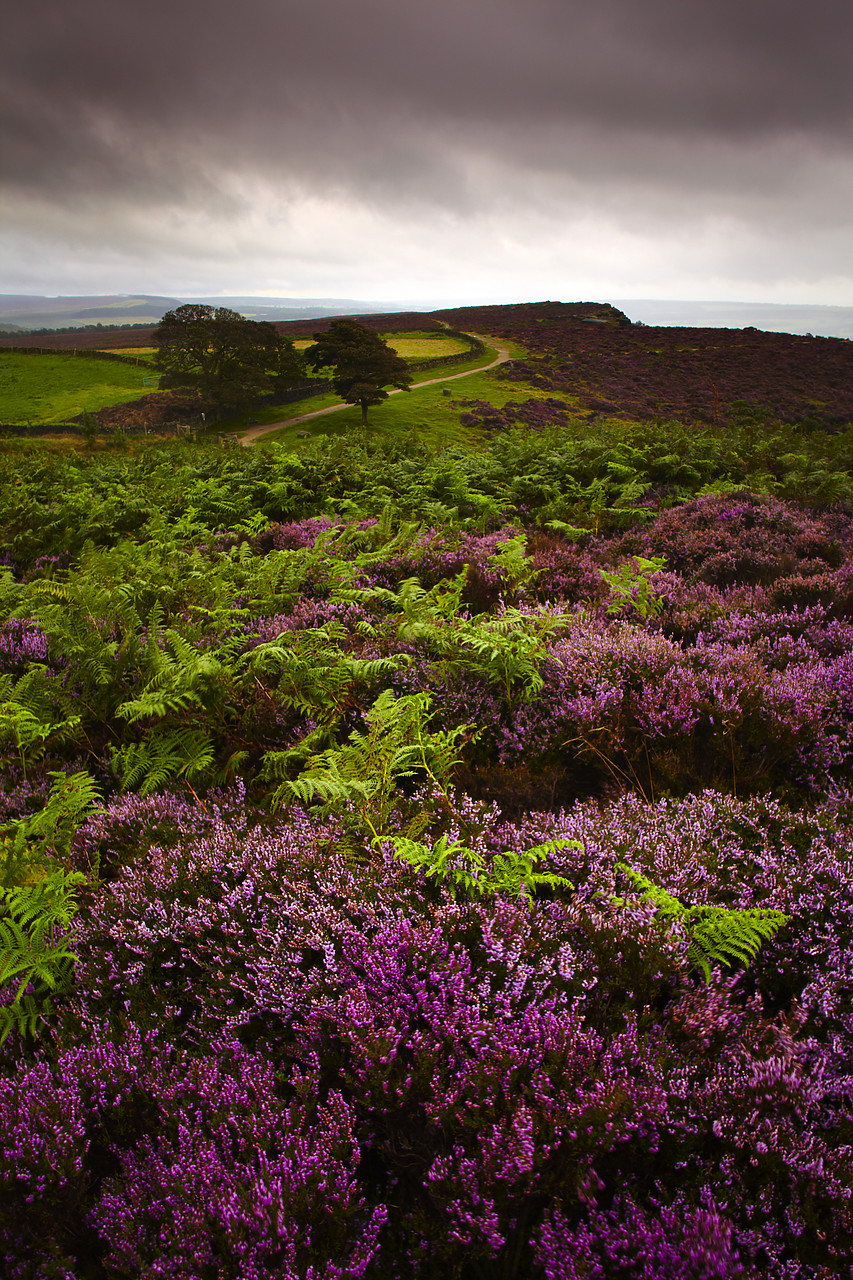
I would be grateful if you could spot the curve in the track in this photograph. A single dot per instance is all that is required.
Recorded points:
(254, 433)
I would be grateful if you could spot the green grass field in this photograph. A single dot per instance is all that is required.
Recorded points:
(56, 388)
(46, 389)
(425, 412)
(281, 413)
(139, 353)
(412, 346)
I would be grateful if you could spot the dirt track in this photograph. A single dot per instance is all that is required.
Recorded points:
(254, 433)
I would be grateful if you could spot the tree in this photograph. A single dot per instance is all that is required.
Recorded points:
(363, 363)
(230, 360)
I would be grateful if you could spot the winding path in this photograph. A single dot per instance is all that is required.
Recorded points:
(254, 433)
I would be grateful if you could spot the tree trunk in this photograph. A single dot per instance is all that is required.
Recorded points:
(363, 404)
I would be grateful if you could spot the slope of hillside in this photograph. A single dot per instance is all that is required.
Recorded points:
(690, 375)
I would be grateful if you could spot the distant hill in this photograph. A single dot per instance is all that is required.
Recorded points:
(488, 318)
(22, 312)
(592, 352)
(27, 311)
(713, 375)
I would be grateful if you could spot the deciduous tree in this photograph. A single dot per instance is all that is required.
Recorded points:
(231, 360)
(363, 363)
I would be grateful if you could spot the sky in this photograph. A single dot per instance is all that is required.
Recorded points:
(450, 151)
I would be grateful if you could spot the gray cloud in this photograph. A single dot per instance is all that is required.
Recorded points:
(652, 114)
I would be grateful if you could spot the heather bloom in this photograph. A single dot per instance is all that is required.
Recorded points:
(288, 1052)
(681, 1244)
(498, 1078)
(200, 1163)
(22, 642)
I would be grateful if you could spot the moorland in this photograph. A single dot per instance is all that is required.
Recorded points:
(426, 849)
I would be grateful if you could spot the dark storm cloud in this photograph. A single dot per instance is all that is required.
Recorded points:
(405, 101)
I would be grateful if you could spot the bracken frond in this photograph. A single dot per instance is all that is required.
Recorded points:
(716, 935)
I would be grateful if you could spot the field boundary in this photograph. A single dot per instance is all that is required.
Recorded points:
(86, 353)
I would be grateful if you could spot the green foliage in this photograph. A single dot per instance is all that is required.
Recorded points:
(717, 935)
(571, 532)
(231, 360)
(38, 901)
(362, 361)
(33, 842)
(468, 872)
(163, 757)
(315, 676)
(27, 715)
(179, 676)
(34, 950)
(630, 586)
(362, 775)
(513, 563)
(94, 627)
(508, 649)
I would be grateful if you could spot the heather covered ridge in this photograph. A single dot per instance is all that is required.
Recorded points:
(437, 862)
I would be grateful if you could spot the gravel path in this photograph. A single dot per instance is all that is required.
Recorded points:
(254, 433)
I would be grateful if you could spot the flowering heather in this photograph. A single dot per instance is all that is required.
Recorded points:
(297, 533)
(740, 539)
(292, 1060)
(694, 375)
(285, 1050)
(22, 642)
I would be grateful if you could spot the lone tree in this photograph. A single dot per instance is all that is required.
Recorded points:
(230, 360)
(363, 363)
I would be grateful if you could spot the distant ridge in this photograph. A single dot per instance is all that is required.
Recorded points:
(29, 311)
(23, 313)
(773, 317)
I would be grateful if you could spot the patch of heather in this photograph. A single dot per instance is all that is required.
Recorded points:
(533, 414)
(656, 372)
(285, 1052)
(296, 534)
(291, 1055)
(200, 1165)
(563, 572)
(22, 642)
(727, 539)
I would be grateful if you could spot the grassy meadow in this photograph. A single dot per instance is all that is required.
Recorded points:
(412, 346)
(432, 412)
(422, 409)
(140, 353)
(48, 388)
(55, 388)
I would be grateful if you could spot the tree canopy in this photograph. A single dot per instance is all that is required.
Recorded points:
(231, 360)
(363, 362)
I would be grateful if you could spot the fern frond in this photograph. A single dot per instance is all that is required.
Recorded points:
(33, 951)
(571, 531)
(665, 903)
(24, 1016)
(366, 769)
(509, 872)
(163, 757)
(719, 935)
(716, 935)
(50, 587)
(314, 675)
(72, 799)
